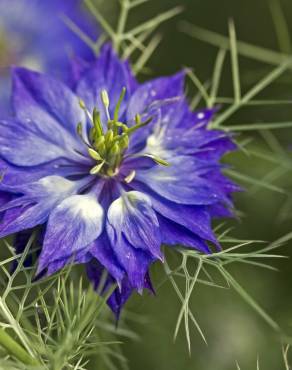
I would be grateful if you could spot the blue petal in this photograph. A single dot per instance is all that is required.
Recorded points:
(174, 234)
(49, 106)
(108, 73)
(181, 132)
(35, 205)
(179, 116)
(50, 187)
(134, 261)
(22, 144)
(72, 226)
(21, 241)
(180, 183)
(101, 250)
(195, 218)
(119, 296)
(80, 257)
(4, 198)
(155, 90)
(79, 67)
(134, 234)
(190, 141)
(148, 101)
(21, 218)
(16, 175)
(226, 185)
(132, 216)
(219, 211)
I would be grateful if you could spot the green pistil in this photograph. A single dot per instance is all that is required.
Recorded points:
(107, 147)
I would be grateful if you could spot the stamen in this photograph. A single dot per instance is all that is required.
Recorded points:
(118, 106)
(138, 125)
(94, 154)
(108, 147)
(115, 149)
(83, 107)
(81, 134)
(156, 159)
(95, 170)
(100, 145)
(124, 141)
(97, 122)
(130, 177)
(105, 102)
(122, 125)
(109, 137)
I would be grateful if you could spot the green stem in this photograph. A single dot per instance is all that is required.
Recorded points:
(15, 325)
(121, 23)
(15, 349)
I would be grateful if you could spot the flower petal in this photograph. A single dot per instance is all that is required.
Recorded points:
(80, 257)
(35, 205)
(180, 183)
(174, 234)
(102, 251)
(50, 188)
(16, 175)
(195, 218)
(47, 107)
(132, 216)
(108, 73)
(133, 230)
(22, 145)
(4, 198)
(119, 296)
(153, 91)
(73, 225)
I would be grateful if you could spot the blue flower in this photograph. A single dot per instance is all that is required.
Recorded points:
(34, 34)
(111, 170)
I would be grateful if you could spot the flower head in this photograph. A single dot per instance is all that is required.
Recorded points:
(111, 169)
(34, 34)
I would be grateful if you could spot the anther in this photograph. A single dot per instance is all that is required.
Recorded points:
(130, 177)
(83, 107)
(97, 122)
(157, 160)
(81, 134)
(106, 103)
(94, 154)
(95, 170)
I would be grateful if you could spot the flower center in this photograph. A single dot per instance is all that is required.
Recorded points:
(108, 146)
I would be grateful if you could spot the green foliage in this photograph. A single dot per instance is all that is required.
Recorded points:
(126, 40)
(56, 322)
(238, 101)
(213, 270)
(208, 92)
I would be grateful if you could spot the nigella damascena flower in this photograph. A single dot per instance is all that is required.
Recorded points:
(112, 170)
(33, 34)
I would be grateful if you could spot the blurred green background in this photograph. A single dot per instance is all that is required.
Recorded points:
(233, 330)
